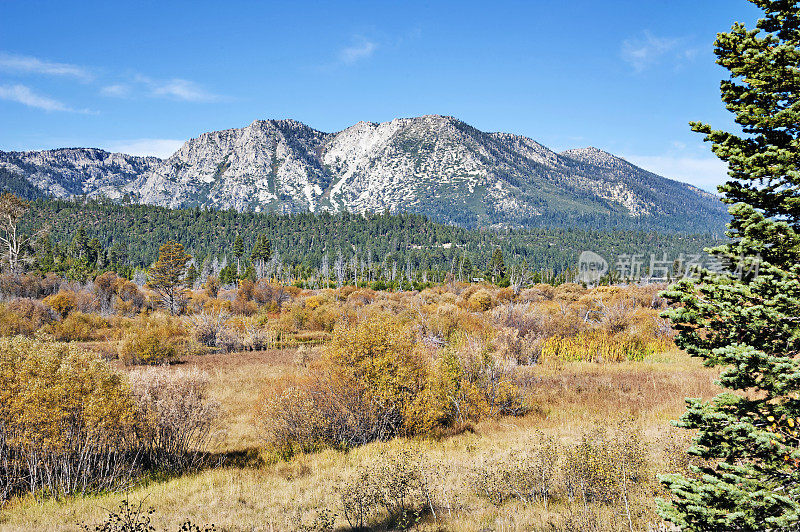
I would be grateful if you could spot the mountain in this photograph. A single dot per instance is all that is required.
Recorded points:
(77, 171)
(434, 165)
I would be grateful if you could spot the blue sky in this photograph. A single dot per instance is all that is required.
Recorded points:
(141, 77)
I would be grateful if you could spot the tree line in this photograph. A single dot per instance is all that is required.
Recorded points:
(79, 238)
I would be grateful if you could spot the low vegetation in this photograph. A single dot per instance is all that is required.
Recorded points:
(533, 409)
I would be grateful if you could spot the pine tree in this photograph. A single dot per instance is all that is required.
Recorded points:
(80, 243)
(261, 253)
(191, 276)
(238, 251)
(166, 276)
(497, 266)
(94, 252)
(466, 269)
(748, 319)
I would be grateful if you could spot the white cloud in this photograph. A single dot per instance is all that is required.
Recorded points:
(648, 50)
(362, 49)
(181, 89)
(702, 172)
(143, 147)
(176, 89)
(25, 96)
(118, 90)
(32, 65)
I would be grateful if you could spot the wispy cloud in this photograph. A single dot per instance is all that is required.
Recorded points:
(182, 89)
(143, 147)
(33, 65)
(24, 95)
(117, 90)
(648, 50)
(361, 48)
(175, 89)
(702, 172)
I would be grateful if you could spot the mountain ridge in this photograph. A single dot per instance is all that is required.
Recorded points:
(434, 165)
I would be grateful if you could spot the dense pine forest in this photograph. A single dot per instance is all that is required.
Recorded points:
(90, 235)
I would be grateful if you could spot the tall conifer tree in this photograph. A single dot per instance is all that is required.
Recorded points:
(238, 251)
(747, 321)
(167, 276)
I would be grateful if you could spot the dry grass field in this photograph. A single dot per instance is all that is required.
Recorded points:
(252, 490)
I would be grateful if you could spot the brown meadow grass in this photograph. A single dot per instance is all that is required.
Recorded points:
(253, 491)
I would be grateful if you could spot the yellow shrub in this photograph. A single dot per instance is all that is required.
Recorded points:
(78, 326)
(62, 302)
(313, 337)
(600, 346)
(45, 387)
(379, 354)
(66, 417)
(313, 302)
(480, 300)
(160, 341)
(324, 317)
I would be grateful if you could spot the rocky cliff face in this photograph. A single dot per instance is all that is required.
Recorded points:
(435, 165)
(77, 171)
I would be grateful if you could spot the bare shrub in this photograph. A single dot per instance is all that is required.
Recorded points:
(15, 285)
(207, 326)
(104, 287)
(616, 318)
(229, 340)
(256, 337)
(521, 317)
(304, 355)
(242, 305)
(24, 316)
(175, 417)
(535, 294)
(526, 475)
(511, 345)
(273, 296)
(476, 383)
(395, 485)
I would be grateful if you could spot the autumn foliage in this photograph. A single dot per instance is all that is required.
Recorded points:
(71, 424)
(376, 381)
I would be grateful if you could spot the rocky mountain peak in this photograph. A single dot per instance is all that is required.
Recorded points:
(433, 164)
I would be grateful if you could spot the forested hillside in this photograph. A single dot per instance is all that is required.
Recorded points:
(304, 242)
